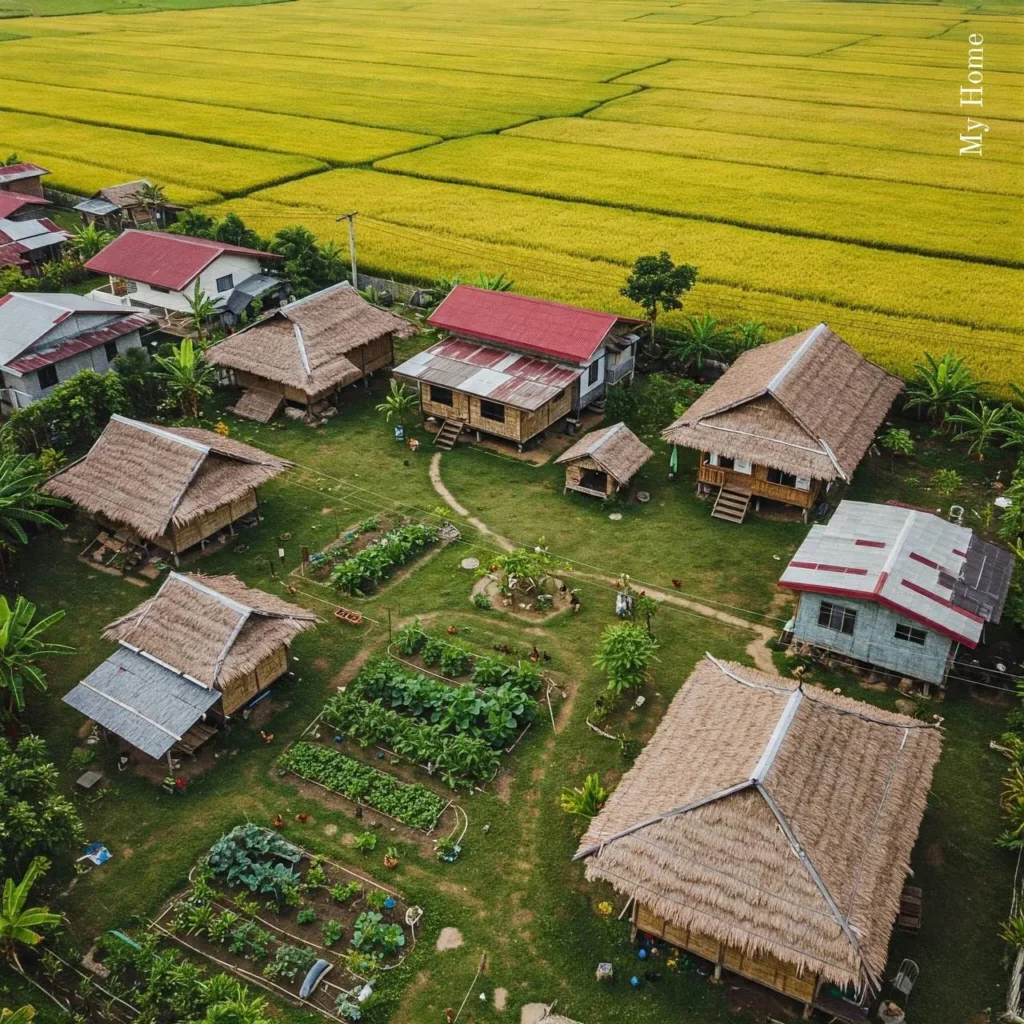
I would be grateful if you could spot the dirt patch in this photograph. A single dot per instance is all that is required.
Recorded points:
(503, 786)
(500, 999)
(450, 938)
(321, 664)
(351, 669)
(330, 829)
(936, 855)
(533, 1013)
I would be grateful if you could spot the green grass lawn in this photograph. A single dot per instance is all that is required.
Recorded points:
(514, 893)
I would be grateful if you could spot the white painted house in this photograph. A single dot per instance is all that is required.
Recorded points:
(159, 270)
(45, 338)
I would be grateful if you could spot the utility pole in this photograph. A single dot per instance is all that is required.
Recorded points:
(351, 218)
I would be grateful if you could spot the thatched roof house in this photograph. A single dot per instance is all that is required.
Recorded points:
(787, 419)
(170, 486)
(202, 640)
(604, 460)
(309, 349)
(768, 827)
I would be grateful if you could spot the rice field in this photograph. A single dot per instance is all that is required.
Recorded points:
(803, 154)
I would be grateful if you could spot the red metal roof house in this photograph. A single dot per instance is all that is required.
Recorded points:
(513, 366)
(22, 178)
(161, 270)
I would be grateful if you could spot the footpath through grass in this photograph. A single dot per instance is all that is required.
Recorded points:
(514, 893)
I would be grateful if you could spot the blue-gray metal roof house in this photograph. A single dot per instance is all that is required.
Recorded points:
(204, 645)
(896, 588)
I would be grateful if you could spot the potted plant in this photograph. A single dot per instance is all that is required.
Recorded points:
(391, 858)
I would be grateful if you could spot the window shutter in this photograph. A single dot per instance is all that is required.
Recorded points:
(712, 459)
(741, 465)
(803, 483)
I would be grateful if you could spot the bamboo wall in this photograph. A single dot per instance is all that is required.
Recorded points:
(574, 477)
(241, 690)
(757, 482)
(182, 539)
(760, 967)
(519, 426)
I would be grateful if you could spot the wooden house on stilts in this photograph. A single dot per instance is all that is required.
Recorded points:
(188, 658)
(768, 828)
(172, 487)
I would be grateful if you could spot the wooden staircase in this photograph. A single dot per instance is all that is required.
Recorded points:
(731, 505)
(446, 437)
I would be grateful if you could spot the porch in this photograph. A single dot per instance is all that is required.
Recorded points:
(757, 481)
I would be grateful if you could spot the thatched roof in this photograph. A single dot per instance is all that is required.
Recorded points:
(616, 449)
(151, 478)
(771, 817)
(304, 344)
(808, 405)
(211, 628)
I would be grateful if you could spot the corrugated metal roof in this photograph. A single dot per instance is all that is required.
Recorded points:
(245, 291)
(99, 207)
(12, 202)
(167, 261)
(909, 561)
(82, 343)
(144, 703)
(507, 377)
(17, 172)
(568, 333)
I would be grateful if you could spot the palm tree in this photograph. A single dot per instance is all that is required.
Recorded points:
(152, 198)
(702, 338)
(748, 335)
(18, 922)
(86, 241)
(201, 308)
(939, 385)
(979, 426)
(21, 646)
(21, 501)
(400, 403)
(187, 376)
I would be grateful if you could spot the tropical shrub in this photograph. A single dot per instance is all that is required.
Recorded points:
(585, 801)
(21, 500)
(624, 653)
(410, 803)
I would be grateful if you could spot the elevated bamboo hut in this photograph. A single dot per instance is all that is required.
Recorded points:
(604, 461)
(768, 828)
(197, 652)
(168, 486)
(305, 352)
(785, 422)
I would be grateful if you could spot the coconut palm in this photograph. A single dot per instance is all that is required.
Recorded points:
(18, 923)
(188, 377)
(941, 385)
(21, 501)
(401, 401)
(702, 338)
(201, 308)
(22, 644)
(980, 426)
(152, 198)
(86, 241)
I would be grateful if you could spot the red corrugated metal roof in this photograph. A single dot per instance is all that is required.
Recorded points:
(167, 261)
(82, 342)
(10, 255)
(16, 172)
(12, 202)
(522, 322)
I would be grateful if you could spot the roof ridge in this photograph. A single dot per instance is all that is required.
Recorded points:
(297, 330)
(191, 581)
(161, 432)
(795, 357)
(536, 300)
(329, 290)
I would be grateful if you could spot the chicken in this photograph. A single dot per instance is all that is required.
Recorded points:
(677, 584)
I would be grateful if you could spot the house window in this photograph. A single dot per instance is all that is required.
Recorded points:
(742, 466)
(441, 396)
(226, 283)
(47, 377)
(803, 483)
(835, 616)
(725, 462)
(910, 634)
(492, 411)
(160, 288)
(776, 476)
(111, 349)
(593, 371)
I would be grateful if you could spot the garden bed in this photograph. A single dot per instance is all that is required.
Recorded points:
(266, 910)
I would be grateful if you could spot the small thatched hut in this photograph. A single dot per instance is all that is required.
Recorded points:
(169, 486)
(785, 422)
(307, 351)
(204, 645)
(768, 828)
(604, 461)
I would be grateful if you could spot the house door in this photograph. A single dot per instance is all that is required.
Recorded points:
(594, 480)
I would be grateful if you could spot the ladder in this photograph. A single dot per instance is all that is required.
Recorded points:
(731, 505)
(446, 437)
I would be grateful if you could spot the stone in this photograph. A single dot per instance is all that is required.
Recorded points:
(450, 938)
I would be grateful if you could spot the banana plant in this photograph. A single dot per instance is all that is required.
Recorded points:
(22, 644)
(21, 925)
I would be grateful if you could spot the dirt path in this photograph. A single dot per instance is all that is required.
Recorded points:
(435, 479)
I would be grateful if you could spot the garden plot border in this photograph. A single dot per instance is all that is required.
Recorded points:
(157, 924)
(358, 803)
(448, 533)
